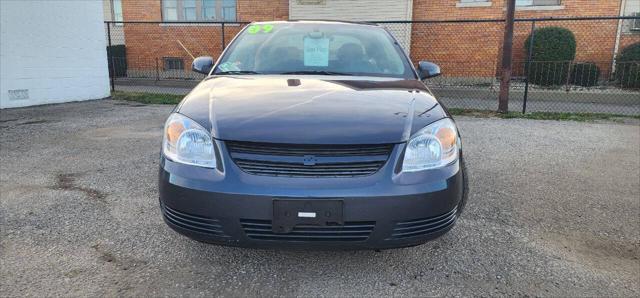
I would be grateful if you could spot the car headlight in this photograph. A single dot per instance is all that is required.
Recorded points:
(432, 147)
(185, 141)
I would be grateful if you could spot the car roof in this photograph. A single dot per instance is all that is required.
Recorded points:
(318, 21)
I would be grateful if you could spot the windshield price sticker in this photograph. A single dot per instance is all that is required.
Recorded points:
(266, 28)
(316, 51)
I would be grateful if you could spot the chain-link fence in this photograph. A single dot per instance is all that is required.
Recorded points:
(596, 75)
(156, 57)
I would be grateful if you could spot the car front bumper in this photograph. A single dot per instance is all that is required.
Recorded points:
(235, 208)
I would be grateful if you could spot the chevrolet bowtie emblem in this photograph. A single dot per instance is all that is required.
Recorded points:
(309, 160)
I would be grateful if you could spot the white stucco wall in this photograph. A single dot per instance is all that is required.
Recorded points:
(51, 52)
(358, 10)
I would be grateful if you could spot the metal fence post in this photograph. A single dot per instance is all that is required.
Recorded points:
(223, 41)
(507, 51)
(528, 67)
(157, 70)
(568, 81)
(110, 58)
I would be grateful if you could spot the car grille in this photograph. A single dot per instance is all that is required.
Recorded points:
(424, 226)
(193, 222)
(350, 231)
(292, 160)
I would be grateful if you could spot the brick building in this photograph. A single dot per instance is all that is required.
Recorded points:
(462, 49)
(596, 40)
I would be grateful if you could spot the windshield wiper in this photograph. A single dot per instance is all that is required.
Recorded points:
(232, 72)
(318, 72)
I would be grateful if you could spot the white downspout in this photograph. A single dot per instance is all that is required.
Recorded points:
(623, 4)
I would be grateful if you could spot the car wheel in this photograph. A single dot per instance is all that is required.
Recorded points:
(465, 186)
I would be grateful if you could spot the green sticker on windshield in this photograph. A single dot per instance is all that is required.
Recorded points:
(266, 28)
(253, 29)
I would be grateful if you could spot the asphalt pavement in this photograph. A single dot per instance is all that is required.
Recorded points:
(554, 210)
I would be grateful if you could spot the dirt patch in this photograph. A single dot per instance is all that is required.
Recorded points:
(68, 182)
(589, 250)
(40, 121)
(73, 273)
(7, 123)
(8, 120)
(123, 263)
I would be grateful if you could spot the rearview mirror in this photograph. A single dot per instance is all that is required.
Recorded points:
(202, 64)
(428, 69)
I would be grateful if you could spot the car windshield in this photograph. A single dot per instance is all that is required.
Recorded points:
(315, 48)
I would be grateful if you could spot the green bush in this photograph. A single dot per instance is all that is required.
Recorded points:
(585, 74)
(553, 50)
(628, 66)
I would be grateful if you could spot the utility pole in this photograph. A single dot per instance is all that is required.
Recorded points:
(507, 50)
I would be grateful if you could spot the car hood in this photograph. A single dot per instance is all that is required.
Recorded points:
(311, 110)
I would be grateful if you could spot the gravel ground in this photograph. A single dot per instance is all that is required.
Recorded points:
(553, 211)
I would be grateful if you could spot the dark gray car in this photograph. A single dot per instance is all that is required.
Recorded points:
(312, 134)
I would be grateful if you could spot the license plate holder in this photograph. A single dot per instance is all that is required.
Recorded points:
(320, 212)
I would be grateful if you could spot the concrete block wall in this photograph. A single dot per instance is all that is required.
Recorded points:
(54, 53)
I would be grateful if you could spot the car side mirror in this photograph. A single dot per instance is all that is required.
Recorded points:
(428, 69)
(202, 64)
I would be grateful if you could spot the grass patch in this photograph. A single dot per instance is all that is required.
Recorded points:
(147, 98)
(582, 117)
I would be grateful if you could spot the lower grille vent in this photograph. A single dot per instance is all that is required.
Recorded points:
(424, 226)
(350, 231)
(192, 222)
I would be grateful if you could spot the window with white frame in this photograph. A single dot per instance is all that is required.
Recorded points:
(228, 11)
(116, 6)
(537, 2)
(635, 23)
(209, 10)
(170, 10)
(199, 10)
(189, 10)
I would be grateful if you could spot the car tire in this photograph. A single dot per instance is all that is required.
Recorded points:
(465, 186)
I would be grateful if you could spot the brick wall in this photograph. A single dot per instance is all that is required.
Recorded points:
(255, 10)
(474, 48)
(461, 49)
(148, 44)
(628, 39)
(141, 10)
